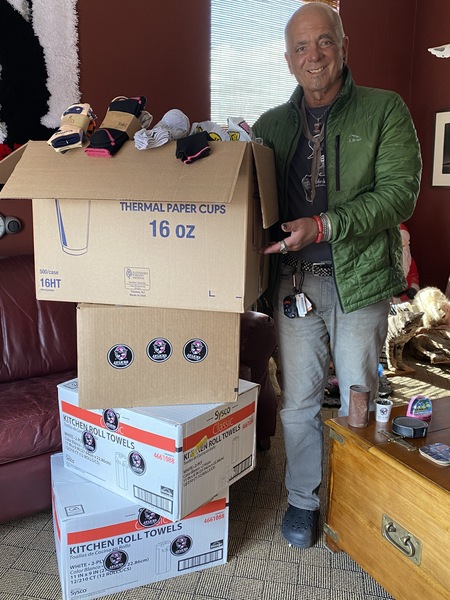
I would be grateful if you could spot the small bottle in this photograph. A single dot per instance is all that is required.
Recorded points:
(358, 409)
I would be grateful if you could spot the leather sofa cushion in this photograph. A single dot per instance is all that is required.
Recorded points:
(29, 417)
(36, 337)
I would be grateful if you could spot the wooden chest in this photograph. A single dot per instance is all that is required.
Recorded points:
(389, 508)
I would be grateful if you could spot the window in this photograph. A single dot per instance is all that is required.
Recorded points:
(249, 73)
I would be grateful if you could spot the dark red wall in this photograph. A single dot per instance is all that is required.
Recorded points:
(381, 42)
(162, 50)
(388, 48)
(157, 49)
(431, 93)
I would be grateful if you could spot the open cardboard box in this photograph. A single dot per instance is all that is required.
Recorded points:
(8, 164)
(144, 229)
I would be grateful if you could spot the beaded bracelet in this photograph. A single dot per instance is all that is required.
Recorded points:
(319, 237)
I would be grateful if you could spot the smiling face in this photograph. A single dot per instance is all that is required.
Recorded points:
(316, 50)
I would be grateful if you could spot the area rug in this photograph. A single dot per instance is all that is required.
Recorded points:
(39, 74)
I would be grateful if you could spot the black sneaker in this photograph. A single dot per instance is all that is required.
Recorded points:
(299, 526)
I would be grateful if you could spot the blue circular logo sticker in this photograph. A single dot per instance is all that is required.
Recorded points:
(147, 517)
(120, 356)
(181, 545)
(116, 560)
(159, 350)
(89, 442)
(195, 350)
(137, 463)
(111, 419)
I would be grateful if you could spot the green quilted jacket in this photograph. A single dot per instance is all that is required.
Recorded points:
(373, 168)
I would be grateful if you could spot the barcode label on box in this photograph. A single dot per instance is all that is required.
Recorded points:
(153, 499)
(200, 559)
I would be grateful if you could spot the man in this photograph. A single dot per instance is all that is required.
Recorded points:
(348, 173)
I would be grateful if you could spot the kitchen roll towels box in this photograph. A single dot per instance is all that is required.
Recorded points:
(171, 459)
(107, 544)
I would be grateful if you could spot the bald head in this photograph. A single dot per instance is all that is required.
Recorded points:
(305, 9)
(316, 50)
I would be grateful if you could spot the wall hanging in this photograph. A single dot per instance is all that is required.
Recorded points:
(441, 159)
(39, 75)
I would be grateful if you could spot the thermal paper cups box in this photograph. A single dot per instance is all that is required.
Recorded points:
(107, 544)
(145, 229)
(172, 459)
(152, 356)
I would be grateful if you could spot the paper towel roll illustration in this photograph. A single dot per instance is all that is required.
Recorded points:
(121, 471)
(162, 560)
(235, 450)
(73, 223)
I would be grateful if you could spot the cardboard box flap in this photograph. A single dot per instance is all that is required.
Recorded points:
(267, 182)
(8, 164)
(153, 175)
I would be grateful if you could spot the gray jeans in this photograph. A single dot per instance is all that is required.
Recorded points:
(354, 340)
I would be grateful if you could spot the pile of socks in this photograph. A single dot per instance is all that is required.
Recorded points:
(77, 125)
(125, 116)
(173, 126)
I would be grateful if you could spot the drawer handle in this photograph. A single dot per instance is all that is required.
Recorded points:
(399, 537)
(407, 548)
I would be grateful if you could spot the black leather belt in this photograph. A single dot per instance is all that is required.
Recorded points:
(320, 269)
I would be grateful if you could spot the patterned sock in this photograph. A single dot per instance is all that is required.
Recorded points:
(77, 124)
(121, 122)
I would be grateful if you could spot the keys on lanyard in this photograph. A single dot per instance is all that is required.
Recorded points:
(297, 304)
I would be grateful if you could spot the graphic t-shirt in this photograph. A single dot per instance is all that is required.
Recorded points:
(300, 202)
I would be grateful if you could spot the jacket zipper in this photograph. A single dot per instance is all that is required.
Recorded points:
(337, 148)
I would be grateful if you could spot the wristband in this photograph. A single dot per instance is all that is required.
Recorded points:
(319, 237)
(326, 224)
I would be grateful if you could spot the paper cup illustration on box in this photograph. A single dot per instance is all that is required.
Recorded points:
(73, 223)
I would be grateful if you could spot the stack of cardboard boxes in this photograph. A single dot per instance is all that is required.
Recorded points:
(161, 258)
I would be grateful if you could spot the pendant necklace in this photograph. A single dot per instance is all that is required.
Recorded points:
(317, 127)
(316, 137)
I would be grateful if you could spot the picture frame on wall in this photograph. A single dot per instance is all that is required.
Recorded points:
(441, 158)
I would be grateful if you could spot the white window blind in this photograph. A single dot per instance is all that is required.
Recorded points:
(249, 73)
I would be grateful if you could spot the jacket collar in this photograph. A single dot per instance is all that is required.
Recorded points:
(344, 94)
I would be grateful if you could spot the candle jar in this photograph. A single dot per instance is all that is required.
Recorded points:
(358, 410)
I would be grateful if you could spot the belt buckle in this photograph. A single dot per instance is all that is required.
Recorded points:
(317, 267)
